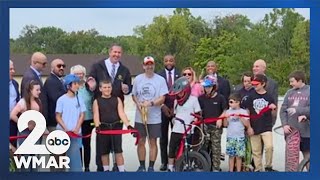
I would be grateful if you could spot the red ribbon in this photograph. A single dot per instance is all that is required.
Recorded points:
(118, 132)
(12, 138)
(105, 132)
(212, 120)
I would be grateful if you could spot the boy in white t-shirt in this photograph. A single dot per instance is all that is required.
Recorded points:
(184, 106)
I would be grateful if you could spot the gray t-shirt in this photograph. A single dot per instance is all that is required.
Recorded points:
(235, 126)
(300, 100)
(149, 89)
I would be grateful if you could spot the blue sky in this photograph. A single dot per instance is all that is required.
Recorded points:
(115, 21)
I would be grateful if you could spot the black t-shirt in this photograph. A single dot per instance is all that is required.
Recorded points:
(245, 94)
(212, 107)
(255, 103)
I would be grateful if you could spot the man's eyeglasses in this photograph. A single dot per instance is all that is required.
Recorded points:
(187, 74)
(61, 65)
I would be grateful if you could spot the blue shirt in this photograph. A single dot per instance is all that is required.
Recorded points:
(37, 72)
(70, 111)
(13, 96)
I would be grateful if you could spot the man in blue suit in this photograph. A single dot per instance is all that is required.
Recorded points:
(14, 98)
(38, 64)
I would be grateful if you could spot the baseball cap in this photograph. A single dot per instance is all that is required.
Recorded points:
(259, 78)
(148, 60)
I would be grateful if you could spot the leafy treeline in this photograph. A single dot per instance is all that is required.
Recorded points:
(282, 38)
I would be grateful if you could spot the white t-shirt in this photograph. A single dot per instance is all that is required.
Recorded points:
(70, 110)
(149, 89)
(236, 128)
(183, 112)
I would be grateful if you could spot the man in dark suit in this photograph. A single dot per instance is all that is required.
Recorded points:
(53, 88)
(223, 84)
(259, 67)
(38, 64)
(14, 99)
(111, 69)
(170, 74)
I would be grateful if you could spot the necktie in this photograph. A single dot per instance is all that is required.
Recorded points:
(113, 72)
(169, 80)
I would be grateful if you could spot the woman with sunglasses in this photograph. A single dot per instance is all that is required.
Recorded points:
(190, 74)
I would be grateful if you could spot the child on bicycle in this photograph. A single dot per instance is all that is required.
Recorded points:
(236, 147)
(184, 104)
(295, 109)
(107, 112)
(213, 105)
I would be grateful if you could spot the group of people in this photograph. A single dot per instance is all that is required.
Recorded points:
(77, 100)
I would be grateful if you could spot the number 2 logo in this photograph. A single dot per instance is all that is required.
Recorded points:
(29, 145)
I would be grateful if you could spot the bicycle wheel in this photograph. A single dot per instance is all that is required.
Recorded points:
(303, 165)
(197, 163)
(206, 155)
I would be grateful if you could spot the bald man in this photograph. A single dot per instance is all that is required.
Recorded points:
(53, 89)
(38, 64)
(260, 67)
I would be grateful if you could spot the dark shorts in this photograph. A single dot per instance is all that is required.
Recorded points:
(174, 144)
(106, 143)
(304, 144)
(154, 130)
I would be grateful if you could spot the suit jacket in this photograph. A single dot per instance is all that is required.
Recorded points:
(169, 101)
(223, 87)
(272, 88)
(16, 87)
(99, 72)
(27, 77)
(52, 89)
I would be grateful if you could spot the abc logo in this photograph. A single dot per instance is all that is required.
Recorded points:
(58, 142)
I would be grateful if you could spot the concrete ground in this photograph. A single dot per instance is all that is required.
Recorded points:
(130, 150)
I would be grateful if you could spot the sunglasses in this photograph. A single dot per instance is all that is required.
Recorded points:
(42, 63)
(61, 65)
(231, 102)
(187, 74)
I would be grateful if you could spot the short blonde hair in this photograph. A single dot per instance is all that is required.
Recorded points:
(78, 67)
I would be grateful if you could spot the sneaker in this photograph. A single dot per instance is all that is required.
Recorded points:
(107, 171)
(163, 167)
(86, 170)
(170, 170)
(269, 169)
(141, 169)
(216, 170)
(150, 169)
